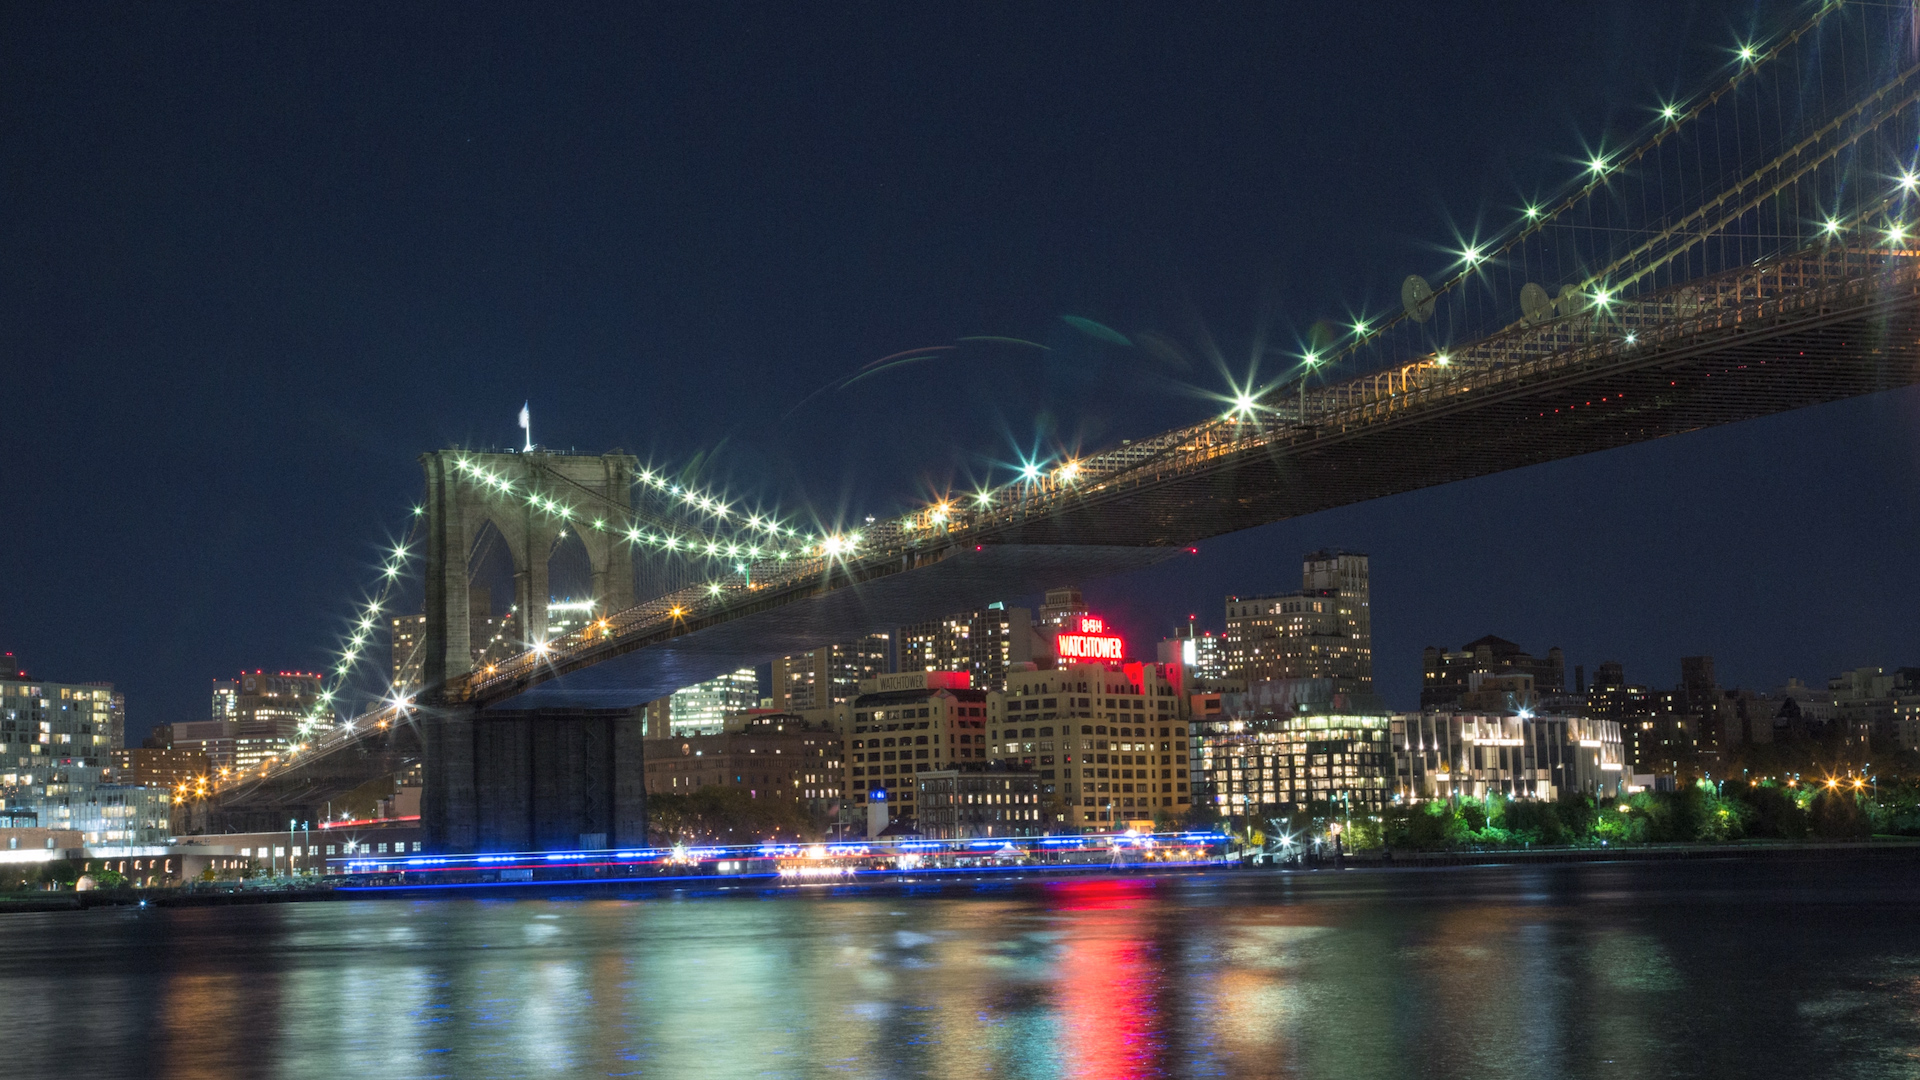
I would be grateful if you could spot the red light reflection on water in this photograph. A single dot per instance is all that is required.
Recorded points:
(1109, 971)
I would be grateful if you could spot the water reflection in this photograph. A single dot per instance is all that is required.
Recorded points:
(1729, 970)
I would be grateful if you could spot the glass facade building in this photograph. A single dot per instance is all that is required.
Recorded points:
(1277, 765)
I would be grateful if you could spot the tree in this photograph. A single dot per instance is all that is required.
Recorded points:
(1838, 815)
(1774, 814)
(725, 815)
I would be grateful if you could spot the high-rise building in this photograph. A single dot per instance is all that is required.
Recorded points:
(269, 710)
(1108, 739)
(1324, 631)
(1612, 698)
(1203, 655)
(43, 723)
(226, 701)
(213, 739)
(159, 767)
(703, 708)
(491, 636)
(409, 660)
(1061, 609)
(909, 723)
(1870, 701)
(985, 644)
(1447, 677)
(831, 675)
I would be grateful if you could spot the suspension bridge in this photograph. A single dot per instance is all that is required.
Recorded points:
(1749, 251)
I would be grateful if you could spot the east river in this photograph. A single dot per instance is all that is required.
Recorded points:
(1730, 968)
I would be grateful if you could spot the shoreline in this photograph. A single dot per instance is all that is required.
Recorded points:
(765, 884)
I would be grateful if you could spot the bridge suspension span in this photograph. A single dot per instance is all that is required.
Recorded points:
(1749, 249)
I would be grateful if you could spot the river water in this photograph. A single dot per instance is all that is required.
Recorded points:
(1734, 969)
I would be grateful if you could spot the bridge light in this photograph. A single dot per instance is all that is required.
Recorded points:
(1442, 359)
(984, 498)
(1831, 227)
(418, 510)
(1070, 470)
(1669, 112)
(1030, 471)
(1602, 297)
(1533, 213)
(1597, 165)
(1909, 180)
(1359, 328)
(542, 648)
(1897, 234)
(1471, 256)
(1631, 337)
(714, 588)
(1747, 54)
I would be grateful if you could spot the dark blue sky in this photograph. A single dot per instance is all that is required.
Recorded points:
(258, 258)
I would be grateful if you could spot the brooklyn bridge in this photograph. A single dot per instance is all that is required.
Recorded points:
(1735, 258)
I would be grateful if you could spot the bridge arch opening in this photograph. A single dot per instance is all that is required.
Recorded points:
(574, 594)
(495, 623)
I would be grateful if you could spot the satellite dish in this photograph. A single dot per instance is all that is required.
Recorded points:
(1686, 302)
(1571, 301)
(1417, 297)
(1535, 304)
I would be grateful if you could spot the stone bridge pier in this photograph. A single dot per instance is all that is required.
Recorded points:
(533, 780)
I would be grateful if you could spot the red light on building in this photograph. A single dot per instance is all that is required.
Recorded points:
(1089, 642)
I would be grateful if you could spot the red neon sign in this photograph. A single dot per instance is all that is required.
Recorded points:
(1089, 641)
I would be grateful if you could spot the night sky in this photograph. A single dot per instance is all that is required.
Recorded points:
(257, 258)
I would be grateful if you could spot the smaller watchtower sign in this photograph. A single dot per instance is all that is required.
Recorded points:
(1088, 640)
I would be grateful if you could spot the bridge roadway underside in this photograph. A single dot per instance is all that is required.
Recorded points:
(311, 790)
(962, 578)
(1731, 375)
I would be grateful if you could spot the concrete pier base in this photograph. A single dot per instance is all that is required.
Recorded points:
(539, 780)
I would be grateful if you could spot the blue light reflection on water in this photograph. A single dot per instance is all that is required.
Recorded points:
(1722, 969)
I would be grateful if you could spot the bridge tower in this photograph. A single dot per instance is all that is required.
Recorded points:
(459, 505)
(517, 780)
